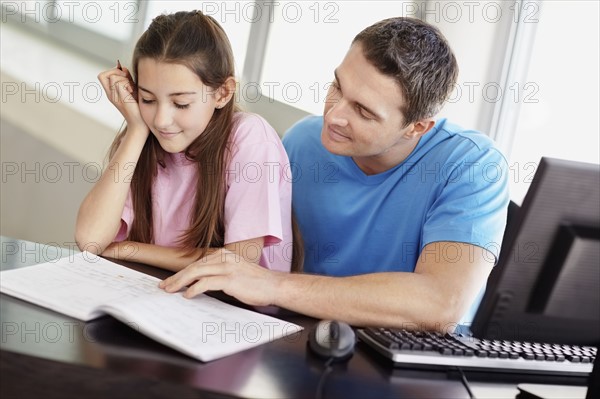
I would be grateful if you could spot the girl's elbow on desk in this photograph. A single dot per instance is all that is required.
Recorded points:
(90, 242)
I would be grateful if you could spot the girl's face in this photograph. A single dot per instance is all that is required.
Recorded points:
(174, 103)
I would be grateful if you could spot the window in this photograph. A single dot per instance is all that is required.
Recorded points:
(113, 19)
(101, 29)
(308, 40)
(559, 107)
(35, 12)
(108, 30)
(289, 49)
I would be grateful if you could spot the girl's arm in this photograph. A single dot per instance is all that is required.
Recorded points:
(175, 258)
(99, 217)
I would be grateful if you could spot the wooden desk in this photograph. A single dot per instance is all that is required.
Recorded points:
(44, 354)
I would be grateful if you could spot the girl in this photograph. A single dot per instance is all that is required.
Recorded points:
(189, 172)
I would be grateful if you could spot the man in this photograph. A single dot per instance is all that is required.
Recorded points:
(402, 216)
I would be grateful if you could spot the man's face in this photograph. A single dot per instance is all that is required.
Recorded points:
(362, 117)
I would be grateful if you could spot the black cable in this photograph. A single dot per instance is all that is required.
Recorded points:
(463, 378)
(328, 368)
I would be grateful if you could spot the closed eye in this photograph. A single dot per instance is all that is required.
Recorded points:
(364, 113)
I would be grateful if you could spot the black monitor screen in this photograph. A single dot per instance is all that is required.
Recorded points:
(547, 286)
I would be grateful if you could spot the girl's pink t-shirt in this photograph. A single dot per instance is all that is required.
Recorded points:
(257, 202)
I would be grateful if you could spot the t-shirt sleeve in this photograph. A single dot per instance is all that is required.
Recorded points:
(472, 205)
(126, 220)
(257, 192)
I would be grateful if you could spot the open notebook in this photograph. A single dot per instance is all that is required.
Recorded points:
(86, 286)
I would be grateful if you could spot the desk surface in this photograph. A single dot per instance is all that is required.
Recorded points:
(47, 354)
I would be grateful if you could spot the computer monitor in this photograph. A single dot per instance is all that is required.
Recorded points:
(547, 284)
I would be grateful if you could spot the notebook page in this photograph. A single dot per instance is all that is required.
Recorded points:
(202, 327)
(77, 285)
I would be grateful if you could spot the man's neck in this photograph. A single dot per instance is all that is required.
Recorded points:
(380, 163)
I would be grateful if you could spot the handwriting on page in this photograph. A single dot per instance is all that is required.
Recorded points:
(78, 285)
(202, 327)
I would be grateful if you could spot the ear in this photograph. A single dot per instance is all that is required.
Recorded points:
(225, 92)
(419, 128)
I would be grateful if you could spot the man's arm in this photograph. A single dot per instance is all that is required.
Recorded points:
(445, 282)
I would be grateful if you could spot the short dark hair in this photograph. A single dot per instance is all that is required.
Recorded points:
(418, 57)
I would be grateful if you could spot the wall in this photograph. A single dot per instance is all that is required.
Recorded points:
(41, 188)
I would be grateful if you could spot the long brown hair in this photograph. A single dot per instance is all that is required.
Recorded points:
(198, 42)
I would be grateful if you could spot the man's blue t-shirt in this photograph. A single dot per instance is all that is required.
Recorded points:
(452, 187)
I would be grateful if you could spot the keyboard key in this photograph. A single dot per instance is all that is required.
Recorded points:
(481, 353)
(386, 341)
(458, 352)
(445, 351)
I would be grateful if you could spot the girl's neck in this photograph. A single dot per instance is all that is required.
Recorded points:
(179, 158)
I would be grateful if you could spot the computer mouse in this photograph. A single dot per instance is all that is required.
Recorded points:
(332, 340)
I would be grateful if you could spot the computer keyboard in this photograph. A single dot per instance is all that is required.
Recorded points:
(434, 350)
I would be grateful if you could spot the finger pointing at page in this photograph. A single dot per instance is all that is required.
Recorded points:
(228, 272)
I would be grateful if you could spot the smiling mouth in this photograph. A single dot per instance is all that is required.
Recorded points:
(167, 134)
(335, 135)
